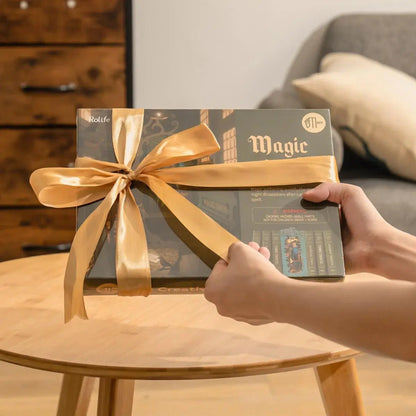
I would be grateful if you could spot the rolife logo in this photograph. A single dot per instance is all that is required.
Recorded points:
(99, 119)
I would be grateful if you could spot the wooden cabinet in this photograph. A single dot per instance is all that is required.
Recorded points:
(55, 56)
(45, 85)
(64, 21)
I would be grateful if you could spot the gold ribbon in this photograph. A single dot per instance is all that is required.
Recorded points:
(92, 180)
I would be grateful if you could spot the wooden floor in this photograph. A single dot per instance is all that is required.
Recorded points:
(388, 387)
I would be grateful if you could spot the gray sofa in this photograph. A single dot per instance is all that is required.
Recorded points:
(391, 40)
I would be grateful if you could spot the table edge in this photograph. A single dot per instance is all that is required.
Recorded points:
(177, 373)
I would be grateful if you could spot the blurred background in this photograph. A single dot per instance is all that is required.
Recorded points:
(226, 54)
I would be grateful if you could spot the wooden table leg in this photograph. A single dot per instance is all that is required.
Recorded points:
(115, 397)
(340, 390)
(75, 395)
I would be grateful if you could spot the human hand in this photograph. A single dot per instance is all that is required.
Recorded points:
(362, 226)
(239, 288)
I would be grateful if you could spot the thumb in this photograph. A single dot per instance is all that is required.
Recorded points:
(351, 197)
(237, 249)
(219, 267)
(322, 193)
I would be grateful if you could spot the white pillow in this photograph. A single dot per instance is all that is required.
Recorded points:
(372, 105)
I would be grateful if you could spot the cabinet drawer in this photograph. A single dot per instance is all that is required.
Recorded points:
(53, 21)
(34, 231)
(24, 150)
(45, 85)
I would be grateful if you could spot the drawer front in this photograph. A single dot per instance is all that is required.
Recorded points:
(26, 232)
(55, 21)
(22, 151)
(43, 85)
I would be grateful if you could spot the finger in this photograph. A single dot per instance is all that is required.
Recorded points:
(209, 292)
(254, 245)
(253, 321)
(258, 322)
(236, 249)
(351, 197)
(265, 252)
(219, 267)
(333, 192)
(339, 193)
(211, 284)
(319, 193)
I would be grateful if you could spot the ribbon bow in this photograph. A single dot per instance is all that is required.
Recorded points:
(92, 180)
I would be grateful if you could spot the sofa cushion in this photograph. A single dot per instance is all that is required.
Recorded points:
(372, 106)
(389, 38)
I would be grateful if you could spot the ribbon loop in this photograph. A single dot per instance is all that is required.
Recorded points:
(127, 131)
(70, 187)
(184, 146)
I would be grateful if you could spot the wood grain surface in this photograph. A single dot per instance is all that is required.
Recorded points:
(25, 150)
(97, 73)
(340, 398)
(30, 231)
(92, 21)
(159, 337)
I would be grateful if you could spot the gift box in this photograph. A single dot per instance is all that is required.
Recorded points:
(233, 175)
(304, 239)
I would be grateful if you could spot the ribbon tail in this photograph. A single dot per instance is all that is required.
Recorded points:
(132, 261)
(82, 251)
(204, 228)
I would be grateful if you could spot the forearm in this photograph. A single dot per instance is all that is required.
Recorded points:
(377, 316)
(394, 256)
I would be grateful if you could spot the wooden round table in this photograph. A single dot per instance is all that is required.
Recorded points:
(161, 337)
